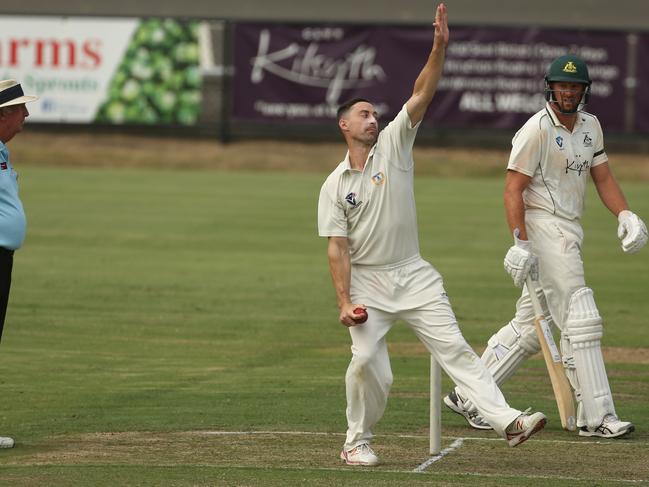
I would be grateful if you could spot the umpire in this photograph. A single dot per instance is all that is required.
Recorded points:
(13, 113)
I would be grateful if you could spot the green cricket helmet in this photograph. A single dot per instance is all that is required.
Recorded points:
(568, 69)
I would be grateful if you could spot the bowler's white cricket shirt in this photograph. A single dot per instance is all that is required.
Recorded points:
(558, 161)
(12, 216)
(375, 208)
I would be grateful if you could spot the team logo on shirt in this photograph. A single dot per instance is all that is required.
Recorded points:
(577, 166)
(351, 199)
(378, 178)
(588, 142)
(559, 140)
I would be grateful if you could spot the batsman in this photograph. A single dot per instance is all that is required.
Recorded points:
(553, 155)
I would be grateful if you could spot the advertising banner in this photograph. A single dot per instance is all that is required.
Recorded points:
(641, 83)
(493, 77)
(112, 71)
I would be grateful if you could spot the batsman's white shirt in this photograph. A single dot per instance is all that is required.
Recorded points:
(375, 208)
(558, 161)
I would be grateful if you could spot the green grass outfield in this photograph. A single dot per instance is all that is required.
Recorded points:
(179, 328)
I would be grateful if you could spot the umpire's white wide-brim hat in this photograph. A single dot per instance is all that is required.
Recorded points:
(11, 93)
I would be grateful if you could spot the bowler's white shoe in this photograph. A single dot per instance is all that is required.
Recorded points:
(523, 427)
(611, 427)
(360, 455)
(6, 442)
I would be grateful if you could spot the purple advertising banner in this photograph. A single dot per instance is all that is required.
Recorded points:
(642, 80)
(493, 78)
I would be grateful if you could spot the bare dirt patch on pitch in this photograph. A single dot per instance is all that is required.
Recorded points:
(623, 355)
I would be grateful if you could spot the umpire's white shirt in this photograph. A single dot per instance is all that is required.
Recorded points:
(558, 161)
(375, 208)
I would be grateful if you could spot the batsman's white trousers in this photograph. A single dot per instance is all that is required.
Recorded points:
(557, 243)
(412, 291)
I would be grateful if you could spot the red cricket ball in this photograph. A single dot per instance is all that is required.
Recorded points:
(361, 315)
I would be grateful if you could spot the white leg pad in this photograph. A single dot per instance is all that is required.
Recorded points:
(583, 360)
(506, 350)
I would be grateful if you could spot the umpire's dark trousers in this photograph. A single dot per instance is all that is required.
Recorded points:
(6, 264)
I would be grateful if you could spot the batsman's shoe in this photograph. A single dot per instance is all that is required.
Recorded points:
(6, 442)
(456, 404)
(611, 427)
(523, 427)
(360, 455)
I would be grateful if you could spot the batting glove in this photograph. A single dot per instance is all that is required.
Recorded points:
(631, 231)
(521, 262)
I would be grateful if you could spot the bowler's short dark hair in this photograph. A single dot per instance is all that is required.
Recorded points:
(344, 108)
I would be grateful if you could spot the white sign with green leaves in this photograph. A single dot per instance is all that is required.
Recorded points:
(96, 70)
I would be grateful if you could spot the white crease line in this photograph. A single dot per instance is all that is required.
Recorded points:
(454, 446)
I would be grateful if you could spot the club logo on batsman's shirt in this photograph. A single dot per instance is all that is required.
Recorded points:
(559, 141)
(351, 199)
(588, 142)
(577, 166)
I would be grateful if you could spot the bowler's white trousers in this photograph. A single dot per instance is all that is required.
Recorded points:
(412, 291)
